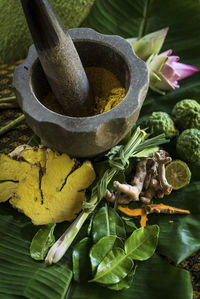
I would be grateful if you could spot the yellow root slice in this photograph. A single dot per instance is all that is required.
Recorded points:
(35, 155)
(57, 168)
(30, 154)
(28, 198)
(7, 189)
(55, 195)
(11, 169)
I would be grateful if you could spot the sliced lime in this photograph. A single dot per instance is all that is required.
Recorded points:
(178, 174)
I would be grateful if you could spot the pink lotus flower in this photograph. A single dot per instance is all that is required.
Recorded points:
(173, 71)
(165, 71)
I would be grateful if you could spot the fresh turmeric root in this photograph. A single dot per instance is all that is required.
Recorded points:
(45, 185)
(149, 209)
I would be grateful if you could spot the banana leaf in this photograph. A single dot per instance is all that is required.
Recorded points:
(135, 18)
(20, 275)
(154, 279)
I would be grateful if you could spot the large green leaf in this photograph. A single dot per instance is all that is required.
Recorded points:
(136, 18)
(42, 241)
(154, 279)
(20, 275)
(81, 262)
(107, 222)
(142, 243)
(101, 249)
(114, 267)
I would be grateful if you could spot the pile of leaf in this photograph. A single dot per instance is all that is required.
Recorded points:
(110, 256)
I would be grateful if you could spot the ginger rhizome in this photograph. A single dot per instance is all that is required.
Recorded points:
(149, 181)
(44, 185)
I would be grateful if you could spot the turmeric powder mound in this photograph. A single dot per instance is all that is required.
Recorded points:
(55, 193)
(107, 90)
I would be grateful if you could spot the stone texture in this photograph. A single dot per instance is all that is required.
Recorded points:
(84, 136)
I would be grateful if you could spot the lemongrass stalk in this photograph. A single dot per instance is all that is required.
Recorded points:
(59, 248)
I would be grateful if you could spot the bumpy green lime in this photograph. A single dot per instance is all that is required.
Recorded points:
(178, 174)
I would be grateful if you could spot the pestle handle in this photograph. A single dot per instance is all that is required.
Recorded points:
(59, 58)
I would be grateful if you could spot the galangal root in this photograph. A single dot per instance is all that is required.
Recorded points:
(148, 182)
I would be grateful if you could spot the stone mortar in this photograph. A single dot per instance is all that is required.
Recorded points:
(84, 136)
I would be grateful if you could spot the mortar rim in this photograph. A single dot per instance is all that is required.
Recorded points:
(91, 122)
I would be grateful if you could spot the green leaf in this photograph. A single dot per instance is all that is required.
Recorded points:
(34, 140)
(42, 241)
(154, 279)
(129, 224)
(125, 283)
(142, 243)
(150, 44)
(140, 17)
(101, 249)
(147, 152)
(107, 222)
(20, 275)
(114, 267)
(80, 258)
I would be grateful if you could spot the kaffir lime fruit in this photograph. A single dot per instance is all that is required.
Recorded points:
(178, 174)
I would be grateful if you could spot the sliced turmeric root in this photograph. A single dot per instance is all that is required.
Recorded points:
(149, 209)
(11, 172)
(55, 192)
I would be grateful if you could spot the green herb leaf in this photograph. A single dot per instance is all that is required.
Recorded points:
(114, 267)
(142, 243)
(101, 249)
(147, 152)
(107, 222)
(34, 140)
(42, 241)
(80, 258)
(125, 283)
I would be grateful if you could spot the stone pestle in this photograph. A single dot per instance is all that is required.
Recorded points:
(59, 58)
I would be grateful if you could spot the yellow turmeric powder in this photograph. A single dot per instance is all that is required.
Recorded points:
(107, 90)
